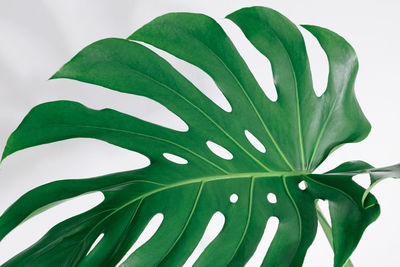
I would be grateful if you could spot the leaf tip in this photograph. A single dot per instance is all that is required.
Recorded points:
(56, 75)
(7, 151)
(308, 26)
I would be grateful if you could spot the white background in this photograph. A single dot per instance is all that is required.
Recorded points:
(37, 37)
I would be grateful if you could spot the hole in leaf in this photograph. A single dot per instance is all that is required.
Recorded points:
(303, 185)
(362, 180)
(174, 158)
(269, 232)
(214, 227)
(324, 207)
(148, 232)
(95, 243)
(258, 64)
(23, 236)
(197, 76)
(233, 198)
(271, 197)
(145, 108)
(72, 155)
(254, 141)
(318, 62)
(219, 150)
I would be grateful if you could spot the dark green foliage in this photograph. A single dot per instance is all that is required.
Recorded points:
(299, 130)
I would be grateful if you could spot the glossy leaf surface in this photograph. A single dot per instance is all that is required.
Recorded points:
(299, 130)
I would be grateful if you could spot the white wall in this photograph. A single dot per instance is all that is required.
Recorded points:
(37, 37)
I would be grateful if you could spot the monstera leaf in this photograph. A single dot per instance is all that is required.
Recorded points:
(298, 130)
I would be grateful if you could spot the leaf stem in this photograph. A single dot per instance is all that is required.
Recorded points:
(328, 231)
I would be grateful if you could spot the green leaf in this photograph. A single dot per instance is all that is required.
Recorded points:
(299, 130)
(376, 174)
